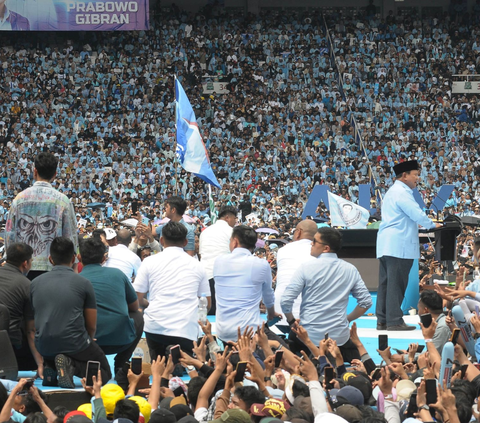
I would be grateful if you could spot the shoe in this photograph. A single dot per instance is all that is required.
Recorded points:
(381, 326)
(49, 377)
(65, 370)
(401, 327)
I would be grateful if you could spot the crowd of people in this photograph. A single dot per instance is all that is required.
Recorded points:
(87, 137)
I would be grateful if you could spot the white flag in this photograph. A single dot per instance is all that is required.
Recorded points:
(346, 213)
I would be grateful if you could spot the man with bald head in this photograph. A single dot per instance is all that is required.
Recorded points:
(120, 257)
(290, 258)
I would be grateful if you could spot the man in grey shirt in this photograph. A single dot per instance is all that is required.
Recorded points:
(326, 284)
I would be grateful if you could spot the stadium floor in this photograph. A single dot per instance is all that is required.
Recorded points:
(366, 328)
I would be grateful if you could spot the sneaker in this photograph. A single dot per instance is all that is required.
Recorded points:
(65, 370)
(401, 327)
(49, 377)
(381, 326)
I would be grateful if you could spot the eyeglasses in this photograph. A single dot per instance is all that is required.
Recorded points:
(317, 242)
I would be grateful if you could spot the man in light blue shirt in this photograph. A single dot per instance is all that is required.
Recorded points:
(398, 245)
(325, 285)
(242, 280)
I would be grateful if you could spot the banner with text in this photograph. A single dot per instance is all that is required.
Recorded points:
(74, 15)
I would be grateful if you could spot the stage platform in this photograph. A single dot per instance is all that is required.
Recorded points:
(366, 329)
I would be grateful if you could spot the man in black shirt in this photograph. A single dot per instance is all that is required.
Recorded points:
(15, 295)
(65, 313)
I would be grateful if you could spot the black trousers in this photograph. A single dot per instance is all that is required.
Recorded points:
(24, 356)
(349, 350)
(124, 352)
(157, 344)
(213, 302)
(92, 353)
(392, 284)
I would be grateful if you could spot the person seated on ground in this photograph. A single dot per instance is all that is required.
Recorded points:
(65, 313)
(119, 321)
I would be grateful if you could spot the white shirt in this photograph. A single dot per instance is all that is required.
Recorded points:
(120, 257)
(290, 258)
(241, 281)
(5, 24)
(174, 281)
(214, 242)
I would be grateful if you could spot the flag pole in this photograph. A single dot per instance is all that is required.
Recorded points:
(175, 159)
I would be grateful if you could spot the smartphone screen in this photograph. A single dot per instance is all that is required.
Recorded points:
(175, 354)
(278, 358)
(137, 365)
(420, 348)
(463, 370)
(382, 342)
(426, 319)
(241, 367)
(328, 373)
(454, 337)
(431, 387)
(134, 207)
(92, 370)
(178, 391)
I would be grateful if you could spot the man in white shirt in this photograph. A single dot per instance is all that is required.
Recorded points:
(214, 242)
(241, 282)
(175, 281)
(290, 258)
(119, 256)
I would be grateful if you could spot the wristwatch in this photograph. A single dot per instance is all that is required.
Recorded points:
(190, 369)
(424, 407)
(291, 322)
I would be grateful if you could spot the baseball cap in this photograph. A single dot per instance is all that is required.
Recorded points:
(353, 395)
(144, 406)
(162, 415)
(404, 389)
(233, 416)
(111, 393)
(349, 412)
(110, 233)
(77, 417)
(271, 408)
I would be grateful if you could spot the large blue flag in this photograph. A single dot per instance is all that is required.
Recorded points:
(191, 151)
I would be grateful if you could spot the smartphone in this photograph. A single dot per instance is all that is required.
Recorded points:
(178, 391)
(273, 321)
(134, 207)
(241, 367)
(328, 373)
(454, 337)
(278, 358)
(382, 342)
(136, 365)
(412, 405)
(145, 220)
(431, 388)
(92, 370)
(326, 336)
(377, 374)
(463, 370)
(420, 348)
(426, 320)
(29, 384)
(175, 354)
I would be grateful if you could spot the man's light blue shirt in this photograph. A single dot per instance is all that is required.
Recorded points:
(241, 281)
(325, 285)
(401, 215)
